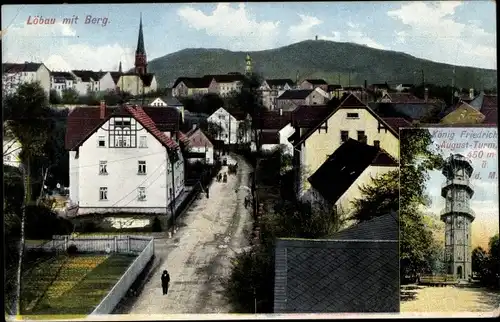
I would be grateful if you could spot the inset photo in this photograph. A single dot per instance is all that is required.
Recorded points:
(449, 248)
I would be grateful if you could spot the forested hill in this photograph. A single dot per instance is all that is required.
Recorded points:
(321, 59)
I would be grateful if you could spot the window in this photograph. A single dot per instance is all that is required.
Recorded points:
(170, 192)
(102, 141)
(141, 194)
(103, 167)
(344, 136)
(376, 143)
(122, 133)
(352, 115)
(361, 135)
(142, 142)
(141, 167)
(103, 193)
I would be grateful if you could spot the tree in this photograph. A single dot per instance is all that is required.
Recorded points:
(479, 259)
(55, 98)
(28, 119)
(70, 96)
(209, 103)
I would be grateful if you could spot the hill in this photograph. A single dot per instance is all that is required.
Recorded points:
(321, 59)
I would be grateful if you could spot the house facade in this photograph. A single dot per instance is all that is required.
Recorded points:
(121, 162)
(271, 89)
(190, 86)
(291, 99)
(274, 129)
(314, 83)
(86, 81)
(200, 148)
(351, 119)
(137, 84)
(61, 81)
(14, 74)
(231, 125)
(106, 82)
(224, 85)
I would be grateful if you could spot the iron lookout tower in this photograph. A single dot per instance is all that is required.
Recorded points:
(457, 215)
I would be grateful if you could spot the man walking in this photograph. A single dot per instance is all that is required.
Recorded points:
(165, 280)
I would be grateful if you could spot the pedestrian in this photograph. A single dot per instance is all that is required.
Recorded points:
(207, 192)
(165, 280)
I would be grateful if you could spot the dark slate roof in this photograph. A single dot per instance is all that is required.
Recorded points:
(83, 121)
(238, 115)
(344, 167)
(384, 227)
(295, 94)
(404, 98)
(28, 67)
(193, 82)
(397, 122)
(171, 101)
(488, 105)
(269, 137)
(86, 75)
(279, 82)
(333, 87)
(316, 81)
(227, 78)
(116, 76)
(272, 120)
(414, 111)
(309, 116)
(353, 88)
(336, 276)
(351, 101)
(63, 75)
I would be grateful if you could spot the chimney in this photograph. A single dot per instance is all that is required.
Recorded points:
(471, 93)
(281, 111)
(363, 139)
(102, 110)
(426, 94)
(366, 84)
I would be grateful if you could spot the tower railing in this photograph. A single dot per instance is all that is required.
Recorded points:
(455, 208)
(464, 182)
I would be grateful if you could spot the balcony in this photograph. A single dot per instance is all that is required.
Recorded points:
(464, 210)
(445, 186)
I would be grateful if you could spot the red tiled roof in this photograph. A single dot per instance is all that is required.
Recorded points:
(199, 139)
(489, 108)
(396, 122)
(83, 121)
(183, 137)
(141, 116)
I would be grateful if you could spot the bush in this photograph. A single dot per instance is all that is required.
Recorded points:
(156, 227)
(42, 223)
(72, 250)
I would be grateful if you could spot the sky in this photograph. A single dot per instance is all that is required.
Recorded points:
(485, 199)
(460, 33)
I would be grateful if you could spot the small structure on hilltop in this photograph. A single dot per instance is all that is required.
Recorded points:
(457, 215)
(248, 65)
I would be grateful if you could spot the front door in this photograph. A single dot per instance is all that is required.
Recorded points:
(459, 272)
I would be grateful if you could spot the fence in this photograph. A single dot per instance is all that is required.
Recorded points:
(118, 291)
(94, 244)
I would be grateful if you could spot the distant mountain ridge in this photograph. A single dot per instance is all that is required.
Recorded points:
(351, 63)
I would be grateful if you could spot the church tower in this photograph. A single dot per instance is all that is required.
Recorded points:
(248, 65)
(120, 68)
(141, 62)
(457, 215)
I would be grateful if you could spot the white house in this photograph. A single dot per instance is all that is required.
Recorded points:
(274, 129)
(224, 84)
(121, 162)
(61, 81)
(86, 81)
(229, 124)
(14, 74)
(106, 81)
(200, 148)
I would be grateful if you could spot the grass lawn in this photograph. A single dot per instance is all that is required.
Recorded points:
(71, 285)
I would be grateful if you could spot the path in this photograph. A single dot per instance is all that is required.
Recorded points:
(198, 255)
(448, 299)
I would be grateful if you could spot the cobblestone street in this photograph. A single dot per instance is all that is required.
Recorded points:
(198, 255)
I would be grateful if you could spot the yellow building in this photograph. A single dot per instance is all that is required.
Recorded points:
(351, 119)
(464, 114)
(137, 84)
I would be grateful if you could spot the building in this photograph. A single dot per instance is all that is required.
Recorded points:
(463, 114)
(334, 90)
(120, 161)
(14, 74)
(351, 166)
(106, 82)
(190, 86)
(457, 215)
(234, 127)
(274, 128)
(271, 89)
(403, 87)
(291, 99)
(408, 106)
(351, 119)
(314, 83)
(86, 81)
(488, 106)
(61, 81)
(199, 147)
(224, 85)
(353, 271)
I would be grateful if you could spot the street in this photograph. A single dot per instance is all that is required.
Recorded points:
(198, 255)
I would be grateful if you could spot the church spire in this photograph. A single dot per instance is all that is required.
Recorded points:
(120, 67)
(140, 53)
